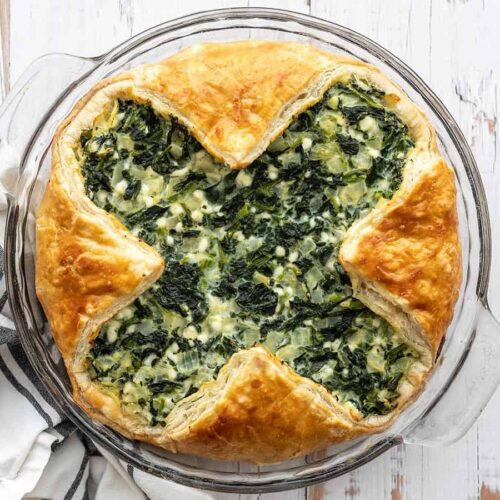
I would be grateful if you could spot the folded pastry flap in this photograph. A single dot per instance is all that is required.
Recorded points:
(87, 265)
(408, 252)
(234, 95)
(258, 410)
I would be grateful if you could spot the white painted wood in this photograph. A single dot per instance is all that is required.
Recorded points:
(453, 45)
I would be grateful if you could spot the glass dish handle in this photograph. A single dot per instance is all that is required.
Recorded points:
(470, 391)
(24, 107)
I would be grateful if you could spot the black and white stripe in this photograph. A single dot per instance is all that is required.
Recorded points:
(22, 377)
(24, 392)
(16, 370)
(23, 363)
(78, 483)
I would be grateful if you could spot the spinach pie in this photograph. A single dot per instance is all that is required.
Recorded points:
(248, 251)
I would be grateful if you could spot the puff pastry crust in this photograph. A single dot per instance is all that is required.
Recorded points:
(403, 258)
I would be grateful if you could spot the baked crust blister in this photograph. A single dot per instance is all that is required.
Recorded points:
(403, 258)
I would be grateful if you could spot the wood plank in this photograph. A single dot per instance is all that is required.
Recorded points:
(82, 28)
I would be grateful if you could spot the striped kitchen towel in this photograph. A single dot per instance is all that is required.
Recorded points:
(42, 454)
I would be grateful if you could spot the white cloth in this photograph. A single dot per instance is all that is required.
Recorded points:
(42, 454)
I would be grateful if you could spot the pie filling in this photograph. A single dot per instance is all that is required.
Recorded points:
(251, 255)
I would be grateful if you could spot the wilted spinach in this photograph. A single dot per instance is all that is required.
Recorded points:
(250, 257)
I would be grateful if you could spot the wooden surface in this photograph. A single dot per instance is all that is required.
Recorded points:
(453, 45)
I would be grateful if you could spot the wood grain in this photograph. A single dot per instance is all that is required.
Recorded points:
(453, 45)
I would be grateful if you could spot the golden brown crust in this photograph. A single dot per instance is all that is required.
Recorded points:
(267, 414)
(410, 249)
(234, 95)
(89, 266)
(84, 266)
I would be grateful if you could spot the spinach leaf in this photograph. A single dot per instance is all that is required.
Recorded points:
(177, 290)
(162, 386)
(146, 216)
(356, 113)
(141, 310)
(133, 187)
(190, 182)
(256, 298)
(340, 324)
(348, 144)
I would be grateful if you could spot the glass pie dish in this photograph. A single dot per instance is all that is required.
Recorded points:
(467, 371)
